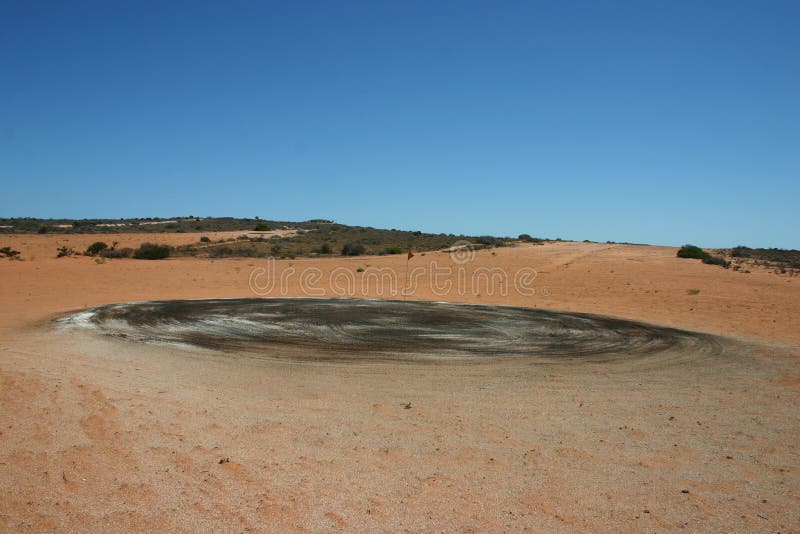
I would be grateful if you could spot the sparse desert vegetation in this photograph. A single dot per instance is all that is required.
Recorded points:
(329, 239)
(717, 260)
(113, 252)
(353, 249)
(291, 239)
(11, 225)
(152, 251)
(781, 261)
(8, 252)
(96, 248)
(695, 252)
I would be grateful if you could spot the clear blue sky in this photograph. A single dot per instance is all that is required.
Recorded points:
(659, 122)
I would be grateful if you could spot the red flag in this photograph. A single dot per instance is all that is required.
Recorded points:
(410, 255)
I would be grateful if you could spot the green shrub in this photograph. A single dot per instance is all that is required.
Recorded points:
(325, 249)
(392, 250)
(151, 251)
(8, 252)
(353, 248)
(64, 251)
(205, 239)
(693, 252)
(717, 260)
(96, 248)
(117, 253)
(43, 229)
(262, 227)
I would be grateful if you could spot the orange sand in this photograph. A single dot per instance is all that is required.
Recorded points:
(98, 434)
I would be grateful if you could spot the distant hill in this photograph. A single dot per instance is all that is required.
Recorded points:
(148, 224)
(262, 237)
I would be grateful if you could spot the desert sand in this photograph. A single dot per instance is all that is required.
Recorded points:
(100, 434)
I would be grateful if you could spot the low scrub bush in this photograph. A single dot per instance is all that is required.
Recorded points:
(96, 248)
(63, 252)
(717, 260)
(117, 252)
(205, 239)
(262, 227)
(775, 256)
(529, 239)
(740, 252)
(151, 251)
(236, 251)
(693, 252)
(353, 249)
(8, 252)
(220, 252)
